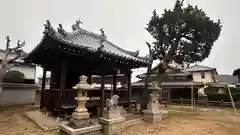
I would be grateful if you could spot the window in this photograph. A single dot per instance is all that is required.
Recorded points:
(203, 75)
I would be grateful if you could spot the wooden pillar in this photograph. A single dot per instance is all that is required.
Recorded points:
(114, 82)
(89, 80)
(192, 96)
(102, 96)
(63, 78)
(169, 96)
(129, 74)
(51, 79)
(43, 87)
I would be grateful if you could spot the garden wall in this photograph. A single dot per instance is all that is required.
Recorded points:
(18, 94)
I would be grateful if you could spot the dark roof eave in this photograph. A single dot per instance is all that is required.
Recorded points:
(139, 60)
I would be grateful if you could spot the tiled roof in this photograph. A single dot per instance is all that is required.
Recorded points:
(195, 68)
(88, 40)
(176, 83)
(229, 79)
(170, 68)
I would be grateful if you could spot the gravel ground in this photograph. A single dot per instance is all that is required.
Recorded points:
(180, 123)
(14, 122)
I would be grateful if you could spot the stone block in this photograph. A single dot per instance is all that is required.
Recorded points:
(154, 117)
(112, 126)
(79, 116)
(114, 113)
(79, 123)
(90, 130)
(153, 107)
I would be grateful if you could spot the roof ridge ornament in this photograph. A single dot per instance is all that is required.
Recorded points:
(61, 30)
(103, 33)
(48, 29)
(136, 53)
(76, 26)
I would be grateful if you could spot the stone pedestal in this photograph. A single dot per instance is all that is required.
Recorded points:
(112, 122)
(89, 130)
(153, 114)
(203, 100)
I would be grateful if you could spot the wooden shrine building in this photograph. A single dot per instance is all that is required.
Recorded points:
(69, 55)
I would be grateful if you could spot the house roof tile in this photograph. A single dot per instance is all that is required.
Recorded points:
(91, 41)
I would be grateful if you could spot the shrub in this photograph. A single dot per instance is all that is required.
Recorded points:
(225, 97)
(14, 76)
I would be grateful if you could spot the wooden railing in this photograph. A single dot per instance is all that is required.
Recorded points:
(52, 99)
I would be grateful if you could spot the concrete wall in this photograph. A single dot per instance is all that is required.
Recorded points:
(18, 94)
(208, 77)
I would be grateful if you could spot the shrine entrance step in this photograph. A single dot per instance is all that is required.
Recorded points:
(45, 122)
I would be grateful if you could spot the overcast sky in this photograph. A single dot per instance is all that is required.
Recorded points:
(122, 20)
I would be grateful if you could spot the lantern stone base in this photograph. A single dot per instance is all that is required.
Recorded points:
(90, 130)
(154, 114)
(79, 116)
(112, 122)
(79, 123)
(79, 119)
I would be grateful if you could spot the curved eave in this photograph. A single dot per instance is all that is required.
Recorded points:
(74, 40)
(143, 63)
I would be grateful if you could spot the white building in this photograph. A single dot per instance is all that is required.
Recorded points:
(202, 74)
(29, 70)
(210, 76)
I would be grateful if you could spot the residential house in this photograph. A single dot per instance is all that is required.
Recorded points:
(176, 83)
(210, 77)
(181, 83)
(202, 74)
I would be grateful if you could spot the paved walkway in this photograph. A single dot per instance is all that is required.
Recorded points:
(46, 123)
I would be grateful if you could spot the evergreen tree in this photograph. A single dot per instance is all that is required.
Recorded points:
(183, 35)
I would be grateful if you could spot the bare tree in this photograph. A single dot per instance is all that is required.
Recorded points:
(7, 63)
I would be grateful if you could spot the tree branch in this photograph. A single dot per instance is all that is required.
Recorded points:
(7, 64)
(19, 46)
(172, 50)
(15, 58)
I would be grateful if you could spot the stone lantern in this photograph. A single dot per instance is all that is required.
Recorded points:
(80, 116)
(154, 113)
(80, 123)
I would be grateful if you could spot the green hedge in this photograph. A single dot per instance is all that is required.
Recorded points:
(225, 97)
(14, 76)
(214, 96)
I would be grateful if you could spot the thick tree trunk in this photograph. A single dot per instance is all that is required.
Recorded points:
(144, 93)
(159, 78)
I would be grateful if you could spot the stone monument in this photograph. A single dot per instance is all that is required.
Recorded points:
(154, 113)
(80, 123)
(112, 120)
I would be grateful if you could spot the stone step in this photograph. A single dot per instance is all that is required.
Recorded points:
(132, 122)
(43, 121)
